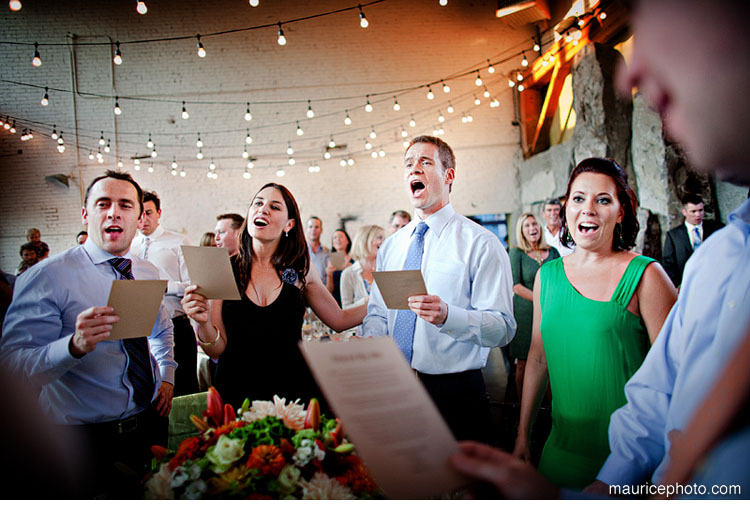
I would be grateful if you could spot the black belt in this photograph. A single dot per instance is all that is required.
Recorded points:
(456, 375)
(120, 426)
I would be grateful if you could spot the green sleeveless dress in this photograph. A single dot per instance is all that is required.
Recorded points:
(592, 349)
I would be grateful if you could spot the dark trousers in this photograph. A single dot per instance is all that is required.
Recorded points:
(117, 454)
(186, 356)
(463, 402)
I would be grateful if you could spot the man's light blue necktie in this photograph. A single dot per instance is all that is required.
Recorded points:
(403, 329)
(696, 238)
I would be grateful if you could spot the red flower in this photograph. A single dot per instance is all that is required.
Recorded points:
(268, 459)
(188, 449)
(358, 477)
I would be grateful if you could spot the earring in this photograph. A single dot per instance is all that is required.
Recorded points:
(618, 230)
(286, 234)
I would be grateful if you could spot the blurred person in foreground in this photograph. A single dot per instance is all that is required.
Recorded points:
(706, 325)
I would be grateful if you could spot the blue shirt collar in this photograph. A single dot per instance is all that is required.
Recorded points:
(740, 217)
(437, 221)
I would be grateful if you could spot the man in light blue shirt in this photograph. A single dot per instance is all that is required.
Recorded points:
(55, 337)
(469, 307)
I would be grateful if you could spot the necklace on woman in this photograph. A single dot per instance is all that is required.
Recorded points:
(537, 256)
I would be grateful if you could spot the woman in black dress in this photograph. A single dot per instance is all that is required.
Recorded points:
(256, 338)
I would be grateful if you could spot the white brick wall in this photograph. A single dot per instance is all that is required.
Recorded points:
(407, 44)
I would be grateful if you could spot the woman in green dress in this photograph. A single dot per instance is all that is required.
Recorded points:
(596, 312)
(532, 252)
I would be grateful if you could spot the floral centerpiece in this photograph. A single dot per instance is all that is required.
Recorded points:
(270, 449)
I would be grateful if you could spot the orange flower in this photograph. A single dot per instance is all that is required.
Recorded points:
(188, 449)
(228, 428)
(358, 478)
(268, 459)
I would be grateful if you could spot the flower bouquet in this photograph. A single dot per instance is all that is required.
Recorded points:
(265, 450)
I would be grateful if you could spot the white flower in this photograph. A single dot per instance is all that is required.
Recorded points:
(158, 486)
(293, 414)
(224, 453)
(288, 479)
(322, 487)
(194, 490)
(179, 477)
(304, 453)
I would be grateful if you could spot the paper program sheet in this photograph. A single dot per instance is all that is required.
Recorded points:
(137, 303)
(388, 415)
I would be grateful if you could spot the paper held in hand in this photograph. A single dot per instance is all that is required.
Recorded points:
(388, 415)
(397, 286)
(137, 304)
(209, 269)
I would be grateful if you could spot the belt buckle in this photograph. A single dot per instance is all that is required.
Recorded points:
(127, 425)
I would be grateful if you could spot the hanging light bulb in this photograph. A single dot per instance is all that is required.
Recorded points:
(396, 106)
(91, 155)
(154, 154)
(441, 118)
(107, 148)
(519, 77)
(412, 123)
(45, 98)
(61, 149)
(362, 19)
(331, 143)
(199, 154)
(350, 161)
(174, 162)
(368, 105)
(300, 132)
(450, 108)
(435, 132)
(246, 174)
(495, 103)
(201, 49)
(250, 164)
(212, 165)
(61, 141)
(347, 119)
(477, 101)
(199, 142)
(118, 55)
(551, 58)
(524, 61)
(490, 68)
(290, 149)
(13, 127)
(310, 113)
(245, 154)
(327, 155)
(141, 7)
(486, 92)
(151, 168)
(248, 116)
(254, 3)
(469, 118)
(118, 110)
(603, 16)
(182, 172)
(520, 87)
(248, 138)
(15, 5)
(446, 88)
(536, 47)
(372, 133)
(120, 164)
(545, 62)
(311, 168)
(54, 133)
(36, 60)
(430, 94)
(441, 131)
(511, 83)
(443, 3)
(404, 133)
(478, 80)
(281, 40)
(291, 161)
(405, 143)
(280, 172)
(342, 162)
(381, 153)
(185, 114)
(173, 172)
(374, 155)
(368, 145)
(148, 144)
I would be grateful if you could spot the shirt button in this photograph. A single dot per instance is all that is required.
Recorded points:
(732, 304)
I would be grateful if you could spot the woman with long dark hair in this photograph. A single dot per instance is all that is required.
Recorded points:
(256, 338)
(596, 312)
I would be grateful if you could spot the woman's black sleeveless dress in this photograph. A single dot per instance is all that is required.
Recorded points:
(262, 357)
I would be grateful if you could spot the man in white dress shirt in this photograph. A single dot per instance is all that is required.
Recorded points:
(162, 248)
(551, 213)
(469, 307)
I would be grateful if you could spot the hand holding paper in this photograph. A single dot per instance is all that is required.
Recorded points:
(137, 304)
(397, 286)
(210, 269)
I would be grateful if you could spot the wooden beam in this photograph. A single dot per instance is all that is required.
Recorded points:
(559, 72)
